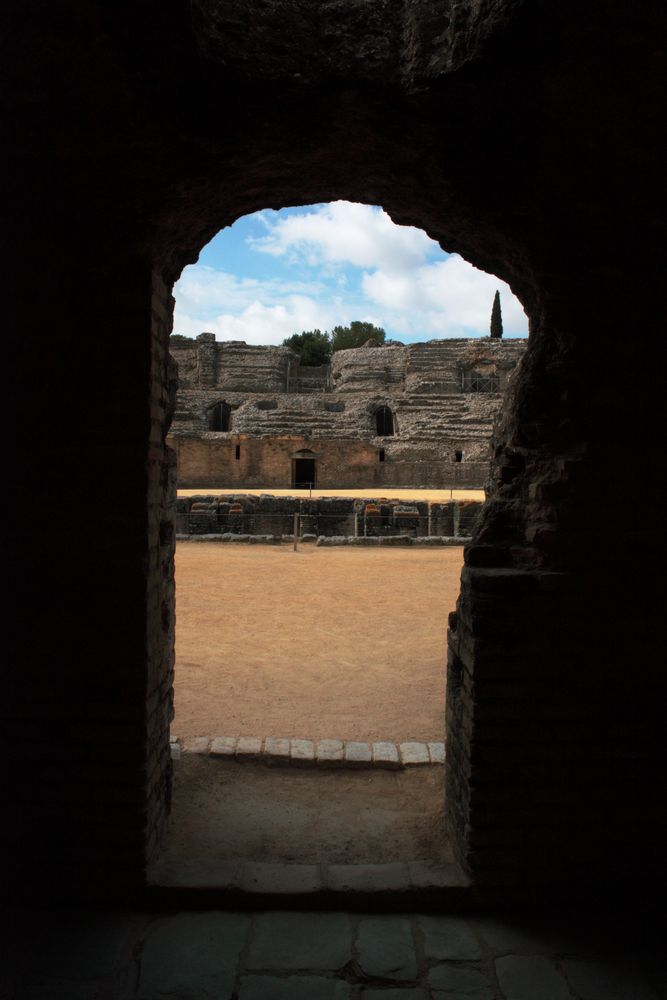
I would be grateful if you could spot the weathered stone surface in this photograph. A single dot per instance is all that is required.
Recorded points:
(293, 988)
(357, 753)
(196, 744)
(413, 753)
(192, 955)
(248, 747)
(277, 750)
(449, 938)
(400, 993)
(523, 977)
(300, 941)
(330, 752)
(385, 755)
(461, 983)
(302, 752)
(223, 746)
(386, 949)
(437, 753)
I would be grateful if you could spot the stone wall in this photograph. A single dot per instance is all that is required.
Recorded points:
(422, 384)
(247, 514)
(211, 460)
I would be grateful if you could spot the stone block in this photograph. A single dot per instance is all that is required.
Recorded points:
(413, 753)
(195, 744)
(293, 988)
(329, 753)
(248, 747)
(222, 746)
(192, 955)
(302, 753)
(386, 948)
(455, 982)
(436, 752)
(300, 941)
(449, 938)
(392, 877)
(276, 751)
(283, 879)
(386, 755)
(357, 754)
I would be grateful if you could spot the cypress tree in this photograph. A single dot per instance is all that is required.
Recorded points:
(496, 318)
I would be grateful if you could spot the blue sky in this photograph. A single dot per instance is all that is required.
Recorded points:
(275, 273)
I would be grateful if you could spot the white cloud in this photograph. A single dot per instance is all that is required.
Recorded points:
(445, 299)
(362, 266)
(344, 233)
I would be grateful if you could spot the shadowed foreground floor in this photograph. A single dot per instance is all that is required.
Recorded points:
(82, 955)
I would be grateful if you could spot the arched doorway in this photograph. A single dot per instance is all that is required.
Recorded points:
(384, 422)
(220, 417)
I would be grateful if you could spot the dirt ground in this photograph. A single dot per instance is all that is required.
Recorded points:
(226, 810)
(323, 643)
(391, 493)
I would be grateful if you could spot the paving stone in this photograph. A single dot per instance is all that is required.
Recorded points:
(524, 977)
(357, 753)
(192, 956)
(386, 949)
(595, 981)
(449, 937)
(195, 744)
(302, 752)
(414, 753)
(437, 752)
(401, 993)
(249, 747)
(223, 746)
(293, 988)
(329, 753)
(281, 878)
(386, 755)
(455, 981)
(308, 941)
(276, 751)
(367, 878)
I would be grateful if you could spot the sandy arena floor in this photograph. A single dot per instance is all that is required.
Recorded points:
(325, 642)
(391, 493)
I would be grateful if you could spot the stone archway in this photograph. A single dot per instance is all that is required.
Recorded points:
(508, 133)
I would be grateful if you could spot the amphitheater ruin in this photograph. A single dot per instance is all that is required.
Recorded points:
(378, 416)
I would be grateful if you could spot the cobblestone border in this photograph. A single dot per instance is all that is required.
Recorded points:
(283, 752)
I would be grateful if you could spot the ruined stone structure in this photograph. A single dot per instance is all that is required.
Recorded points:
(391, 415)
(527, 137)
(272, 518)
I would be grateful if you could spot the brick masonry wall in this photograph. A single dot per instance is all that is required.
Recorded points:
(341, 463)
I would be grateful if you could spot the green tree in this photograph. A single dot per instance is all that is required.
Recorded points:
(496, 318)
(355, 335)
(312, 346)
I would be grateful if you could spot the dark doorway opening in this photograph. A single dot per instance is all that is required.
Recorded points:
(458, 456)
(304, 473)
(384, 421)
(219, 417)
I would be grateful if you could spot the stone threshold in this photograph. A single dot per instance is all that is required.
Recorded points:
(330, 753)
(323, 886)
